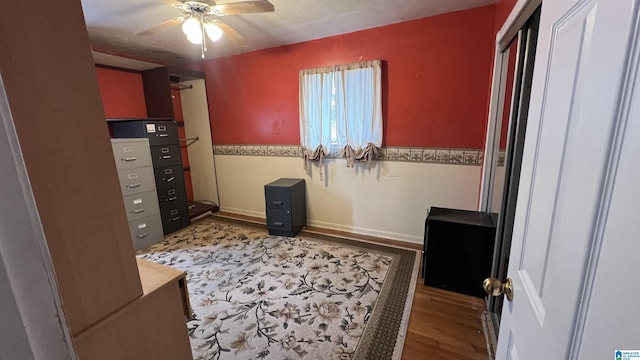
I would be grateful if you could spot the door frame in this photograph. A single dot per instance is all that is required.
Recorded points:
(526, 40)
(519, 15)
(509, 32)
(26, 269)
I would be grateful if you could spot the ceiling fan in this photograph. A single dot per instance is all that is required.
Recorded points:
(198, 21)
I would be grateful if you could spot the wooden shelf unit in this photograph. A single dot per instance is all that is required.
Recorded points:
(164, 293)
(154, 276)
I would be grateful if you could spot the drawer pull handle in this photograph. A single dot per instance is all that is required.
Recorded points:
(133, 186)
(131, 158)
(172, 198)
(278, 223)
(277, 202)
(138, 211)
(175, 218)
(166, 157)
(143, 235)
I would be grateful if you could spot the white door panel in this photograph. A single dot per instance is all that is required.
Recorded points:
(563, 72)
(579, 71)
(611, 319)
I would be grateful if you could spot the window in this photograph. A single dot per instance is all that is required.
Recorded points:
(341, 112)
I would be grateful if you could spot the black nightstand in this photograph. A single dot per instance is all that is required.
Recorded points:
(286, 206)
(458, 250)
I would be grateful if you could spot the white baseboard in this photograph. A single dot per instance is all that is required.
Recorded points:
(367, 231)
(260, 214)
(340, 227)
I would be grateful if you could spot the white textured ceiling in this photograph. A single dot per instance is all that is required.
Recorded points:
(113, 24)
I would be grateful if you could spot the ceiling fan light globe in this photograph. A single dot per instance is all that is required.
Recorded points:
(191, 28)
(195, 39)
(213, 31)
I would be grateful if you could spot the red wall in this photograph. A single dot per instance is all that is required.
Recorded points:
(436, 80)
(503, 9)
(122, 93)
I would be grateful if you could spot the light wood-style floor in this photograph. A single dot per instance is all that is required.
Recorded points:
(444, 325)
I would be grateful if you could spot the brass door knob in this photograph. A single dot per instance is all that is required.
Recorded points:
(495, 287)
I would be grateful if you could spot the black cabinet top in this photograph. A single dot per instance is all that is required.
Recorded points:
(141, 120)
(284, 182)
(462, 216)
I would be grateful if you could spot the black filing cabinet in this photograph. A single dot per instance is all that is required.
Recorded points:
(458, 249)
(167, 166)
(286, 206)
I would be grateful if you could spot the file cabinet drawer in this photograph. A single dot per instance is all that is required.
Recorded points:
(169, 177)
(136, 180)
(159, 132)
(146, 231)
(141, 205)
(166, 155)
(279, 219)
(172, 195)
(278, 198)
(129, 153)
(174, 217)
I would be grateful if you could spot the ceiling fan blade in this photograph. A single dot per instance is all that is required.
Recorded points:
(163, 25)
(243, 7)
(232, 35)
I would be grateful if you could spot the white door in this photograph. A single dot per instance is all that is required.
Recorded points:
(575, 256)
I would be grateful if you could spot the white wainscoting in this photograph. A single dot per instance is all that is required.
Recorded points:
(391, 200)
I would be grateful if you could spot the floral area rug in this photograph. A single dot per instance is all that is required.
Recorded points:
(257, 296)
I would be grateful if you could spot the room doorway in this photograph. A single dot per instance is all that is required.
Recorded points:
(515, 54)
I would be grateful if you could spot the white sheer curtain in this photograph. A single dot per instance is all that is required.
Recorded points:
(341, 109)
(361, 135)
(315, 115)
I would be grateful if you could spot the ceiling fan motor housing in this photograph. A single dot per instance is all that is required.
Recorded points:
(198, 7)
